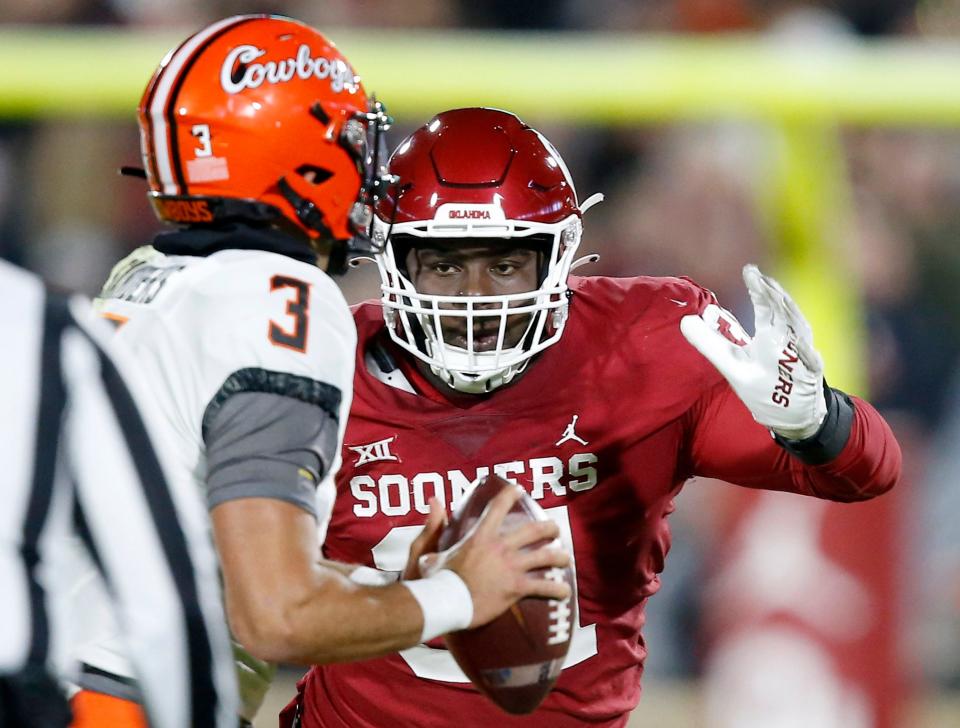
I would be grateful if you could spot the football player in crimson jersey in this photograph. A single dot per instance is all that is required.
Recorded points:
(259, 142)
(600, 396)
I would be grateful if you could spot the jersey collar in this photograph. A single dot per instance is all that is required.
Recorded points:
(205, 241)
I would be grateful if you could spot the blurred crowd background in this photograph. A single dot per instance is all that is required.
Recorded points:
(681, 200)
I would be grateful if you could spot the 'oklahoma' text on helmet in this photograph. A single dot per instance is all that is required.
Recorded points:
(468, 174)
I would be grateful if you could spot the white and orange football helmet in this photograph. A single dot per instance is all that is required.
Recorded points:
(261, 118)
(468, 174)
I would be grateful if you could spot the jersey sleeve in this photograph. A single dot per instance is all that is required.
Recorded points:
(726, 443)
(264, 445)
(652, 309)
(278, 351)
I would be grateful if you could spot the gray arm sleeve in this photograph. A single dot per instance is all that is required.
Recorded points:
(265, 445)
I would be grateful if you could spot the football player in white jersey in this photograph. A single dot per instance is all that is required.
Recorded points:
(260, 144)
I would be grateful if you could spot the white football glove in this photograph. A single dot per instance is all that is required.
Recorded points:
(777, 374)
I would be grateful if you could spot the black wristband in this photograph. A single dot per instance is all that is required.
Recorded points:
(831, 438)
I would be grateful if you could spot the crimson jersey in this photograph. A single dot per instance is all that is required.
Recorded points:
(602, 431)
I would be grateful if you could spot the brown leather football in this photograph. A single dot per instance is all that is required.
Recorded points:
(515, 659)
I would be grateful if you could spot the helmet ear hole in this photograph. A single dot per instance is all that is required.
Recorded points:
(317, 112)
(313, 174)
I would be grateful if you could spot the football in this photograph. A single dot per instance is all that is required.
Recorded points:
(515, 659)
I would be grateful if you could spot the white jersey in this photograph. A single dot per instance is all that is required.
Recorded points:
(201, 328)
(192, 322)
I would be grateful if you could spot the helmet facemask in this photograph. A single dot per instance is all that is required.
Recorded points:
(362, 136)
(476, 344)
(471, 179)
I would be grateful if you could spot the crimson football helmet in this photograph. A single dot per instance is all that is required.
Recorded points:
(467, 174)
(261, 118)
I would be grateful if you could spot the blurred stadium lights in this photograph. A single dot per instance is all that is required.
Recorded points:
(586, 78)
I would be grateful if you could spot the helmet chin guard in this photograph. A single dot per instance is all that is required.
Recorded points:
(477, 176)
(456, 377)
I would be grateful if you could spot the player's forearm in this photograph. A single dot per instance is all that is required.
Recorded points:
(839, 449)
(332, 619)
(284, 606)
(868, 465)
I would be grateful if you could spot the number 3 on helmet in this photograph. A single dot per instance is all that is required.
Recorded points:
(261, 118)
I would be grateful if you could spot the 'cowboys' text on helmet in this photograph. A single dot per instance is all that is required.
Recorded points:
(261, 118)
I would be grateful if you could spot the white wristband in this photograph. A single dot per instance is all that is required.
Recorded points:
(367, 576)
(445, 602)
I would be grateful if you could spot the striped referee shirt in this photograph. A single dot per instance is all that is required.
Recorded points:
(78, 461)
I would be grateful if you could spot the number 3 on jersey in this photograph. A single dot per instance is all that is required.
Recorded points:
(291, 334)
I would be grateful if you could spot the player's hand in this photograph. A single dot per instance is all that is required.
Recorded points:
(495, 566)
(427, 541)
(777, 374)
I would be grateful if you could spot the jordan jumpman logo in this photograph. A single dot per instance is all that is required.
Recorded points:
(570, 433)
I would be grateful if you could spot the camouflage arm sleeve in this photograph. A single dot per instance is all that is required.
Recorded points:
(266, 445)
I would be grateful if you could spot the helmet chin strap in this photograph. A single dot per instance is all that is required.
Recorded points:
(307, 211)
(312, 218)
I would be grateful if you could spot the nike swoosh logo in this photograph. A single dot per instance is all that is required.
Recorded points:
(679, 303)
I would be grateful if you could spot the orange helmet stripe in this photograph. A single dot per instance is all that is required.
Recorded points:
(159, 106)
